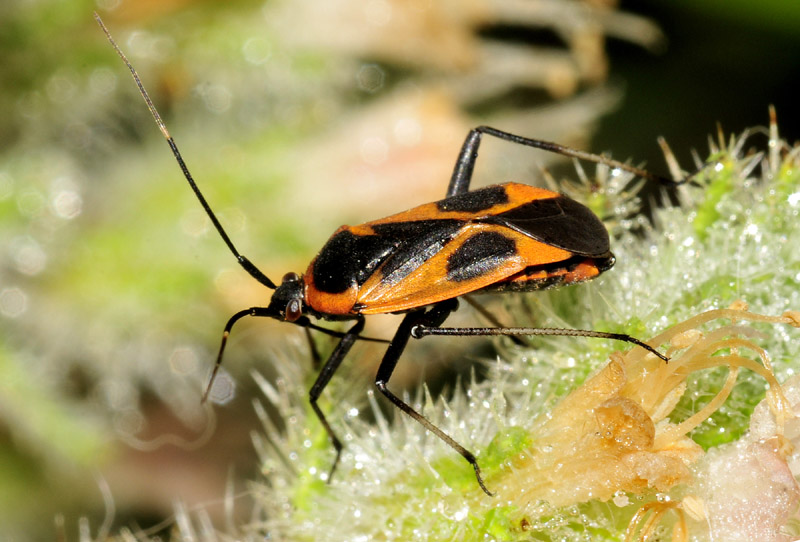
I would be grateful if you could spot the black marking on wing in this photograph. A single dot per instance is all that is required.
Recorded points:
(479, 255)
(560, 222)
(348, 259)
(477, 200)
(415, 243)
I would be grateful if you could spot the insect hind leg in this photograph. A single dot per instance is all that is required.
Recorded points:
(465, 164)
(424, 330)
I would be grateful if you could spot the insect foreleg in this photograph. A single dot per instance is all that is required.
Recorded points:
(330, 367)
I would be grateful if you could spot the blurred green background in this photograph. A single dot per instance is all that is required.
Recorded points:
(294, 118)
(724, 63)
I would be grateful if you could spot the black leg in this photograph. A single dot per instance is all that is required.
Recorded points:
(433, 317)
(324, 377)
(312, 347)
(465, 164)
(264, 312)
(423, 330)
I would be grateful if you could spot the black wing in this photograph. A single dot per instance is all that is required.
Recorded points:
(560, 222)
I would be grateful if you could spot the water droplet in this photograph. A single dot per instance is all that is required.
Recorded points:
(28, 255)
(61, 88)
(217, 98)
(102, 81)
(30, 203)
(256, 50)
(13, 302)
(370, 78)
(183, 360)
(223, 390)
(67, 204)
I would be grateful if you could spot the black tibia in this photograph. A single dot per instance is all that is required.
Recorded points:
(432, 317)
(423, 330)
(324, 377)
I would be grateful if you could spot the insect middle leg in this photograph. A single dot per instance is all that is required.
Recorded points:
(433, 317)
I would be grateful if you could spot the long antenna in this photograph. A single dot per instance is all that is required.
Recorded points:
(243, 261)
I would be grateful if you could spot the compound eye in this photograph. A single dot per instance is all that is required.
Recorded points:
(291, 277)
(294, 310)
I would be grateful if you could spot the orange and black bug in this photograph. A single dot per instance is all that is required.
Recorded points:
(507, 237)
